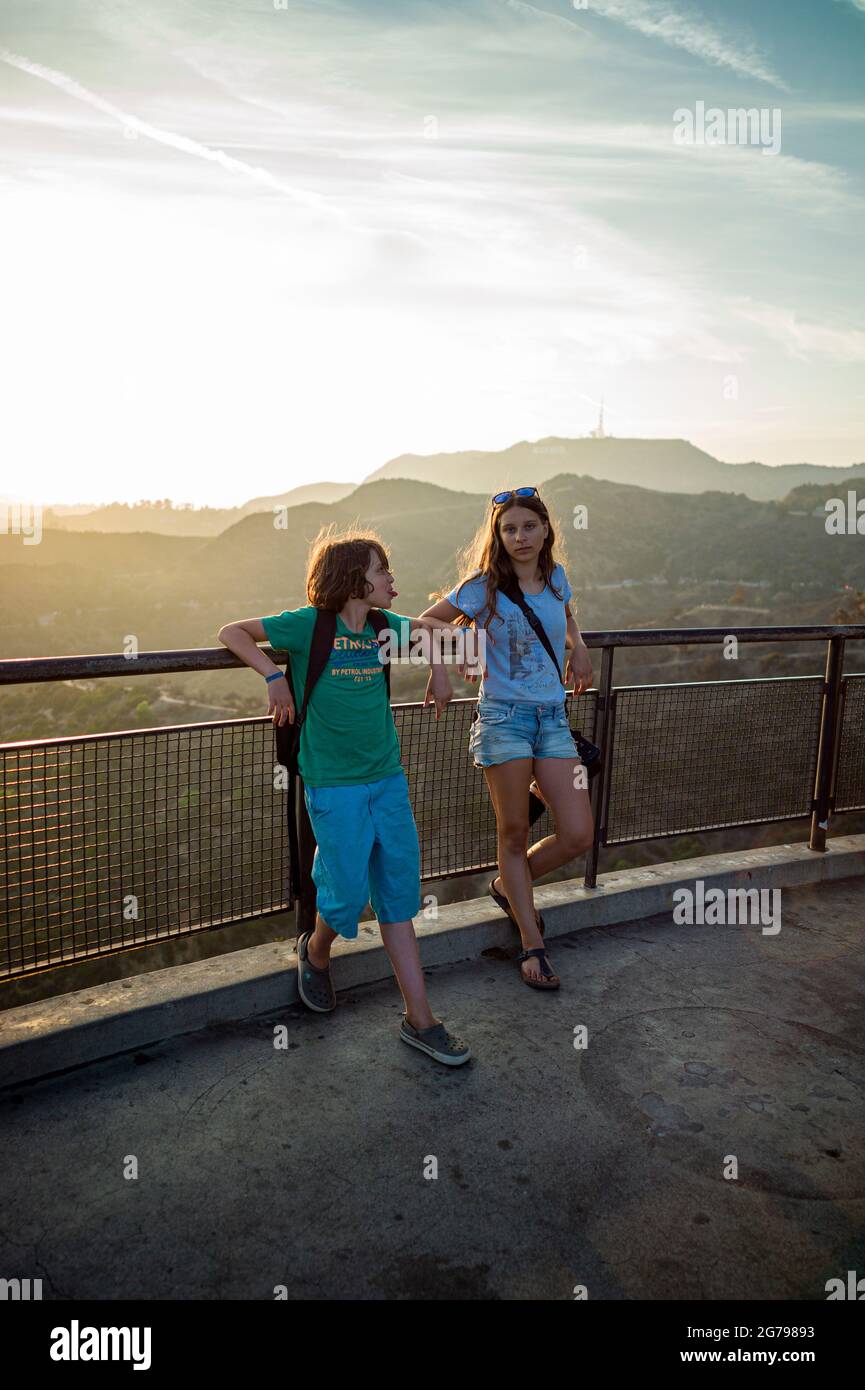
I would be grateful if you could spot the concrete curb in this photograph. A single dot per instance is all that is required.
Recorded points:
(70, 1030)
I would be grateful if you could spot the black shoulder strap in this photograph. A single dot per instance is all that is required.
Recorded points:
(288, 735)
(513, 591)
(379, 622)
(323, 635)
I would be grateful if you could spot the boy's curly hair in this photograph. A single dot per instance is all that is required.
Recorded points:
(338, 561)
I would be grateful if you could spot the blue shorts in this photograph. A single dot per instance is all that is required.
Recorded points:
(366, 851)
(506, 729)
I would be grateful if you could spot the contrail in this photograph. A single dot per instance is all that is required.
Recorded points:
(660, 20)
(163, 137)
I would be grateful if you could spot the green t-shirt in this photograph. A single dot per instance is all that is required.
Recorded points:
(348, 735)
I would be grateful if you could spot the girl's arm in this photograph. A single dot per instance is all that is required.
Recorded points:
(444, 611)
(579, 667)
(572, 633)
(427, 623)
(242, 638)
(439, 688)
(442, 615)
(439, 684)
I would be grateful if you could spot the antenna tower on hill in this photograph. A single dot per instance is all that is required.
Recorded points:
(600, 432)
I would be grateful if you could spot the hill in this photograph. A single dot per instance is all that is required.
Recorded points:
(174, 591)
(663, 465)
(162, 518)
(667, 465)
(645, 559)
(633, 533)
(812, 497)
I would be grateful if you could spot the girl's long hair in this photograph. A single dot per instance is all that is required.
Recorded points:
(485, 555)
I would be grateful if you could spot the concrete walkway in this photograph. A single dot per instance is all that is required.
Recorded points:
(304, 1165)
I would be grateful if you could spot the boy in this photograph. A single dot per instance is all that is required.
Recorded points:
(355, 788)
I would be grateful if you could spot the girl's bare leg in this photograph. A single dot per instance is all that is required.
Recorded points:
(572, 813)
(509, 791)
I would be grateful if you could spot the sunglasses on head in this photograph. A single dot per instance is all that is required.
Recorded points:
(515, 492)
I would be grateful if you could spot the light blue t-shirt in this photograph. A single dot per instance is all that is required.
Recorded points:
(518, 664)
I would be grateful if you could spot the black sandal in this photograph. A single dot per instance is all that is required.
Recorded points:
(546, 970)
(502, 902)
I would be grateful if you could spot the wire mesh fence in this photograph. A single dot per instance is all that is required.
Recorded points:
(850, 787)
(115, 840)
(705, 756)
(455, 820)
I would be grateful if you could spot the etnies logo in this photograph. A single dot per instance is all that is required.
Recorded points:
(101, 1344)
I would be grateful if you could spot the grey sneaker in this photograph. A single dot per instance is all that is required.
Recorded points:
(437, 1041)
(314, 986)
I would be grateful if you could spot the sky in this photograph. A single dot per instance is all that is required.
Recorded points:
(250, 244)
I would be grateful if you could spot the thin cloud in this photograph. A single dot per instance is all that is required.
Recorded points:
(801, 339)
(690, 32)
(182, 143)
(522, 7)
(847, 111)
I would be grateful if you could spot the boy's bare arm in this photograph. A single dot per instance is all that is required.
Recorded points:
(242, 638)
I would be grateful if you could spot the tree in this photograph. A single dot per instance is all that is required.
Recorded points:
(854, 612)
(143, 712)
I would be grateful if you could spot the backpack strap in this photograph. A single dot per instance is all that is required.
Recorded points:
(513, 591)
(323, 635)
(378, 622)
(288, 735)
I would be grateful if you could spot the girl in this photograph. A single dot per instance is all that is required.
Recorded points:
(520, 729)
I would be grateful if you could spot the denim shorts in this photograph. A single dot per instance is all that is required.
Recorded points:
(506, 729)
(366, 851)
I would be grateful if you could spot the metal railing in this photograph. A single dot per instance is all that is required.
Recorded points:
(118, 840)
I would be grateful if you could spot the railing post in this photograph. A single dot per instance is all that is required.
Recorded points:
(597, 798)
(829, 732)
(305, 906)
